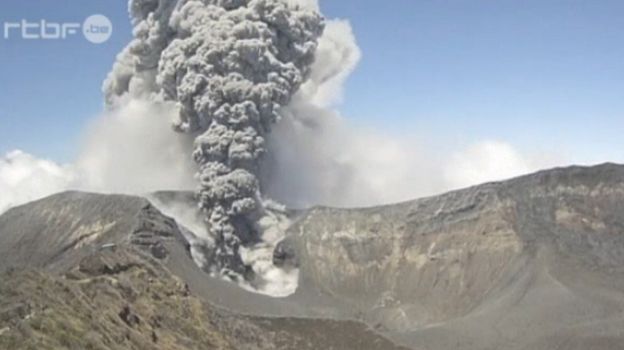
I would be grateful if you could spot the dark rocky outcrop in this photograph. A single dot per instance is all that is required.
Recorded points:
(285, 255)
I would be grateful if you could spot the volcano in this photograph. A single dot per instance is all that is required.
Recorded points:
(534, 262)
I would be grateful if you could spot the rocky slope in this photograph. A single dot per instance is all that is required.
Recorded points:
(87, 271)
(531, 263)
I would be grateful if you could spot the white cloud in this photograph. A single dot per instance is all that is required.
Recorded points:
(132, 151)
(345, 167)
(24, 178)
(491, 161)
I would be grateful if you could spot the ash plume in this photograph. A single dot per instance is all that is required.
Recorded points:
(229, 66)
(199, 63)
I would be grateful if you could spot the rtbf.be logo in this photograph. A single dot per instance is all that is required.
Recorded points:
(97, 29)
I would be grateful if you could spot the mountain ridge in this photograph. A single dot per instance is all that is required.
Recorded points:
(533, 262)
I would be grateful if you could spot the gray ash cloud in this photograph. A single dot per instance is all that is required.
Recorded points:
(229, 66)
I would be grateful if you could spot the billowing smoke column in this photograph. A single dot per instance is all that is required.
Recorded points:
(229, 66)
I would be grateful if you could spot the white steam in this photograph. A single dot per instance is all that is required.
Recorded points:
(486, 161)
(24, 178)
(133, 150)
(336, 58)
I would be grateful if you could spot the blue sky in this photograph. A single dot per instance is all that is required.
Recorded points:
(541, 75)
